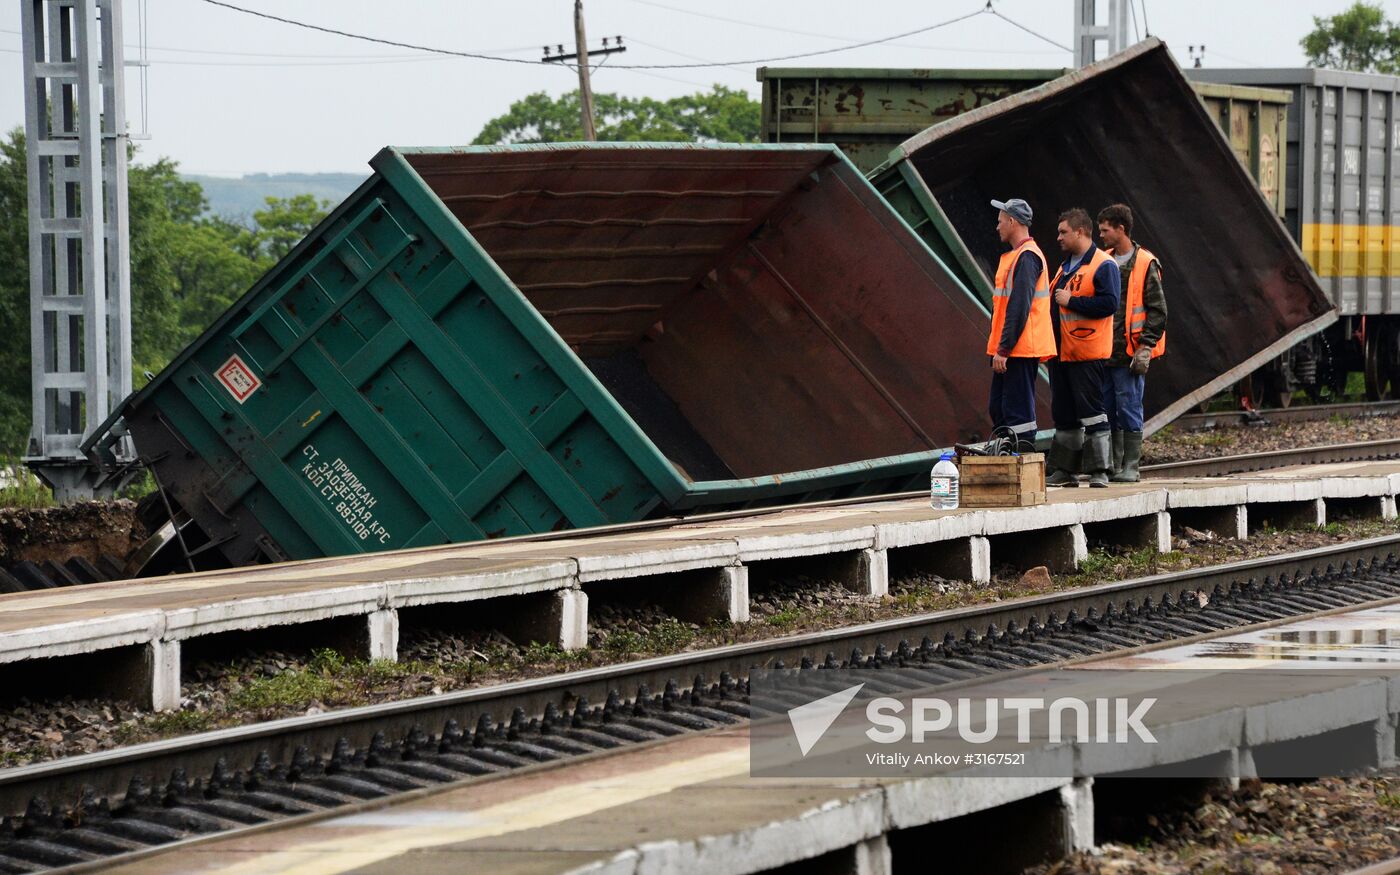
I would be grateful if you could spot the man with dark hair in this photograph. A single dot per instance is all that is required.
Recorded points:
(1086, 291)
(1139, 335)
(1021, 337)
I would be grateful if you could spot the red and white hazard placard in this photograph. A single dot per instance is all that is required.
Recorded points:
(238, 378)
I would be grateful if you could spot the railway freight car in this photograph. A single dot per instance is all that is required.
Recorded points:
(867, 112)
(496, 341)
(1240, 293)
(1341, 185)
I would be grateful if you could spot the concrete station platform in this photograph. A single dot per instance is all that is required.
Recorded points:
(540, 590)
(689, 804)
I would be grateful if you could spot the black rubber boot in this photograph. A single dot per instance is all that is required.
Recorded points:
(1062, 462)
(1132, 458)
(1098, 455)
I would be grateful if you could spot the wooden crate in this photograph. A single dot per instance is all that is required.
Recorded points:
(1001, 481)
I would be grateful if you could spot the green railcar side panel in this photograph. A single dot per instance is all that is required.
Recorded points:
(392, 404)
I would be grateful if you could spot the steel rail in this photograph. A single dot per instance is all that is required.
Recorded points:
(110, 772)
(1306, 413)
(1362, 451)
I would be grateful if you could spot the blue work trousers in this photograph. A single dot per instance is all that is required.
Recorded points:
(1012, 405)
(1076, 396)
(1122, 398)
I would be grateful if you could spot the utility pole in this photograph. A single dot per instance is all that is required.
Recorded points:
(585, 84)
(585, 87)
(79, 265)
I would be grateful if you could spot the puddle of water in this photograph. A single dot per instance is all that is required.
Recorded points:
(1378, 644)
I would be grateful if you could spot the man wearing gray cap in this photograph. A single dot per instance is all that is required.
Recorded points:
(1021, 336)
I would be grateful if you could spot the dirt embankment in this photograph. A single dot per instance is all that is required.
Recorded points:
(87, 529)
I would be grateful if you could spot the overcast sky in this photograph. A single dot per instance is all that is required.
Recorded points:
(229, 93)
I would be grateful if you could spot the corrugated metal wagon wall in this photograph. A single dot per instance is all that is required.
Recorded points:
(1342, 179)
(1131, 129)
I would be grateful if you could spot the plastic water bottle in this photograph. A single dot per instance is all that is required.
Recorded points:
(943, 484)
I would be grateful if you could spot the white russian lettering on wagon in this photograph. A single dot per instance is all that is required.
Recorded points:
(351, 499)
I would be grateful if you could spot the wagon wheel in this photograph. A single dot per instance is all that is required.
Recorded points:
(1382, 364)
(1270, 388)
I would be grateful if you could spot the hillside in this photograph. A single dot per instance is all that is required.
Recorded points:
(238, 197)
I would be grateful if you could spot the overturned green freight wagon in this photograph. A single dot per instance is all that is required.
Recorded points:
(1132, 129)
(496, 341)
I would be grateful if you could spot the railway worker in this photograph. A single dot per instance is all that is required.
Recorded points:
(1021, 336)
(1139, 335)
(1086, 291)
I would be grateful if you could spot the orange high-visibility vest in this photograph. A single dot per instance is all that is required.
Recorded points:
(1084, 338)
(1037, 339)
(1134, 313)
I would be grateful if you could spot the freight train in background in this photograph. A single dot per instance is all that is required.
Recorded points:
(1341, 180)
(1320, 144)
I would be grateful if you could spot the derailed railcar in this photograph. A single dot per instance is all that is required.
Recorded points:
(497, 341)
(868, 112)
(1127, 129)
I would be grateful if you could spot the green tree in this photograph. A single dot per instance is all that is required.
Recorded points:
(186, 269)
(283, 223)
(1360, 38)
(721, 115)
(14, 295)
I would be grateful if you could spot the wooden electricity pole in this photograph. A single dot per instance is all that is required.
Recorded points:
(585, 88)
(580, 55)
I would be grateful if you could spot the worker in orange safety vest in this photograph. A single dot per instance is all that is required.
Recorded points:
(1086, 292)
(1139, 336)
(1021, 337)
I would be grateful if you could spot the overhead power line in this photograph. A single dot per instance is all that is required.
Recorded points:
(1018, 25)
(488, 57)
(482, 56)
(840, 38)
(811, 54)
(301, 55)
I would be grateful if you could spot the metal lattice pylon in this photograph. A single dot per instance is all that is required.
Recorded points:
(1088, 31)
(79, 264)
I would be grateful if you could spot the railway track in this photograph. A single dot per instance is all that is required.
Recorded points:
(27, 576)
(84, 810)
(1306, 413)
(1361, 451)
